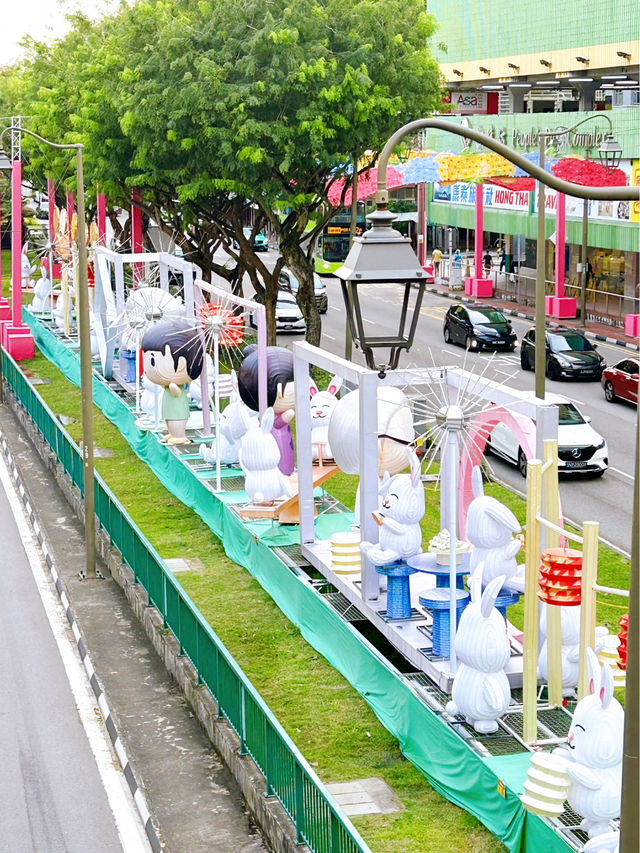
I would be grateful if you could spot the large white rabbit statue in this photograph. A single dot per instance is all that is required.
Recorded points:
(480, 689)
(490, 529)
(235, 420)
(258, 457)
(400, 514)
(570, 628)
(322, 405)
(194, 391)
(27, 269)
(594, 752)
(42, 292)
(608, 842)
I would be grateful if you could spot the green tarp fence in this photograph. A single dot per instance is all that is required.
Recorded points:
(486, 787)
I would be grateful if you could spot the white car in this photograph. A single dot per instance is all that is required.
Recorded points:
(581, 449)
(288, 315)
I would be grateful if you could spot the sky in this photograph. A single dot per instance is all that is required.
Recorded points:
(42, 19)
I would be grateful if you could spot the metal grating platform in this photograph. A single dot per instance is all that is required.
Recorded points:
(345, 608)
(553, 723)
(415, 615)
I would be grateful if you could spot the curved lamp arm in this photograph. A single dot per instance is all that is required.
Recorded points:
(577, 190)
(75, 145)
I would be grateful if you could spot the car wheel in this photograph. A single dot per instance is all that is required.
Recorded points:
(552, 370)
(447, 335)
(609, 393)
(524, 361)
(512, 348)
(522, 462)
(599, 473)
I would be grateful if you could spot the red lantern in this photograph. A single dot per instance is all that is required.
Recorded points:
(623, 622)
(230, 326)
(561, 577)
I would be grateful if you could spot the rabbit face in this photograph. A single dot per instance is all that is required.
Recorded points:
(402, 502)
(323, 402)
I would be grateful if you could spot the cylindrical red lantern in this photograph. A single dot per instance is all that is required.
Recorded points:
(623, 622)
(560, 577)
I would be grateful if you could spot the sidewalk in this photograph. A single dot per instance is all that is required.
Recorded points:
(599, 331)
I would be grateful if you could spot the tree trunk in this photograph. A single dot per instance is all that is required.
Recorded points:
(354, 202)
(302, 266)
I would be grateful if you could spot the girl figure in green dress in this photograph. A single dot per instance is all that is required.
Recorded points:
(172, 357)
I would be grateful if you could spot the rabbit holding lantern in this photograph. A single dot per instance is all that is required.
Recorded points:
(490, 529)
(322, 405)
(594, 752)
(399, 517)
(480, 689)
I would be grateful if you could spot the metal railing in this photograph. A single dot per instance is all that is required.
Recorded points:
(318, 820)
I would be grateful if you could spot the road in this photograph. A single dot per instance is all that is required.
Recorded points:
(609, 499)
(59, 787)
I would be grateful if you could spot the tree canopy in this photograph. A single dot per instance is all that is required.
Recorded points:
(208, 106)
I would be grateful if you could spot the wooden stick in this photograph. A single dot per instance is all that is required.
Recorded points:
(554, 613)
(590, 531)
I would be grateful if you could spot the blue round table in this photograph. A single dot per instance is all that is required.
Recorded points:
(398, 590)
(426, 562)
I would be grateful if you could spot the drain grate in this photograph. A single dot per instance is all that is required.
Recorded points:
(415, 615)
(552, 723)
(345, 608)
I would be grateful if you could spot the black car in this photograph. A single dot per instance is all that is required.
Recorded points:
(568, 355)
(478, 327)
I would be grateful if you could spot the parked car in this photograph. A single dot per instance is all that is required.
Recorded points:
(288, 316)
(620, 382)
(478, 327)
(569, 354)
(260, 242)
(289, 281)
(580, 448)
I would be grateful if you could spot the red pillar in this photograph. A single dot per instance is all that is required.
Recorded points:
(16, 338)
(101, 201)
(136, 234)
(5, 308)
(477, 285)
(559, 305)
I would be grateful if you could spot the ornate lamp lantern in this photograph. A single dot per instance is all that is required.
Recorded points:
(382, 256)
(610, 153)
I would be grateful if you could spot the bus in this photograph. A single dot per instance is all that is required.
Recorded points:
(332, 246)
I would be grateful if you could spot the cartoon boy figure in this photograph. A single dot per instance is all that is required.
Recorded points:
(172, 357)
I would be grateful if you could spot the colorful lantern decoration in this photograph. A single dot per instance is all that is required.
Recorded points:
(222, 321)
(546, 786)
(608, 652)
(588, 173)
(561, 576)
(345, 553)
(367, 186)
(623, 622)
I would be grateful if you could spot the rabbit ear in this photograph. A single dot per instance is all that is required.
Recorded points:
(476, 482)
(503, 515)
(384, 483)
(335, 385)
(594, 671)
(490, 594)
(414, 464)
(313, 388)
(475, 583)
(606, 690)
(266, 423)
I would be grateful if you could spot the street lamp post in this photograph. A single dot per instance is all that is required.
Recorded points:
(86, 375)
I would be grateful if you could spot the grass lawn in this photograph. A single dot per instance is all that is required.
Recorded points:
(329, 722)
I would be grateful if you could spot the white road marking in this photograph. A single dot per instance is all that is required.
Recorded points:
(130, 831)
(335, 308)
(622, 473)
(331, 338)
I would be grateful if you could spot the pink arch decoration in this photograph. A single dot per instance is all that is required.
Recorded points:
(479, 431)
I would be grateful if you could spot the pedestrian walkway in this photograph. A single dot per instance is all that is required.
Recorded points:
(508, 304)
(195, 803)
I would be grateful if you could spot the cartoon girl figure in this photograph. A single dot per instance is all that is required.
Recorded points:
(172, 356)
(280, 396)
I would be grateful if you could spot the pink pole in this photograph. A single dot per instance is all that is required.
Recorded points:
(136, 223)
(16, 243)
(422, 230)
(561, 230)
(51, 204)
(479, 236)
(71, 209)
(101, 201)
(1, 295)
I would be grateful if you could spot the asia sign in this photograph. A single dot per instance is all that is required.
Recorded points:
(467, 102)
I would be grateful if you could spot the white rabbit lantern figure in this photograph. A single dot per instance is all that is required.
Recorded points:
(490, 529)
(27, 269)
(42, 291)
(570, 627)
(323, 404)
(480, 690)
(236, 420)
(258, 457)
(399, 517)
(594, 752)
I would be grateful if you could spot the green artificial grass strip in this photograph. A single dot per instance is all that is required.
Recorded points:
(327, 719)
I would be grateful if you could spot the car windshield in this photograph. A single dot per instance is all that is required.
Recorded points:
(568, 415)
(486, 317)
(566, 343)
(246, 232)
(286, 305)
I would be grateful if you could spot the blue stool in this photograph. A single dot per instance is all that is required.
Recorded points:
(437, 601)
(398, 592)
(506, 599)
(128, 364)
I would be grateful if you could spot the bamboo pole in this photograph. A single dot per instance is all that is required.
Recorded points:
(554, 613)
(530, 645)
(588, 601)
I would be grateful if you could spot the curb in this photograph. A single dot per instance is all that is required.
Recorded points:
(531, 317)
(99, 693)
